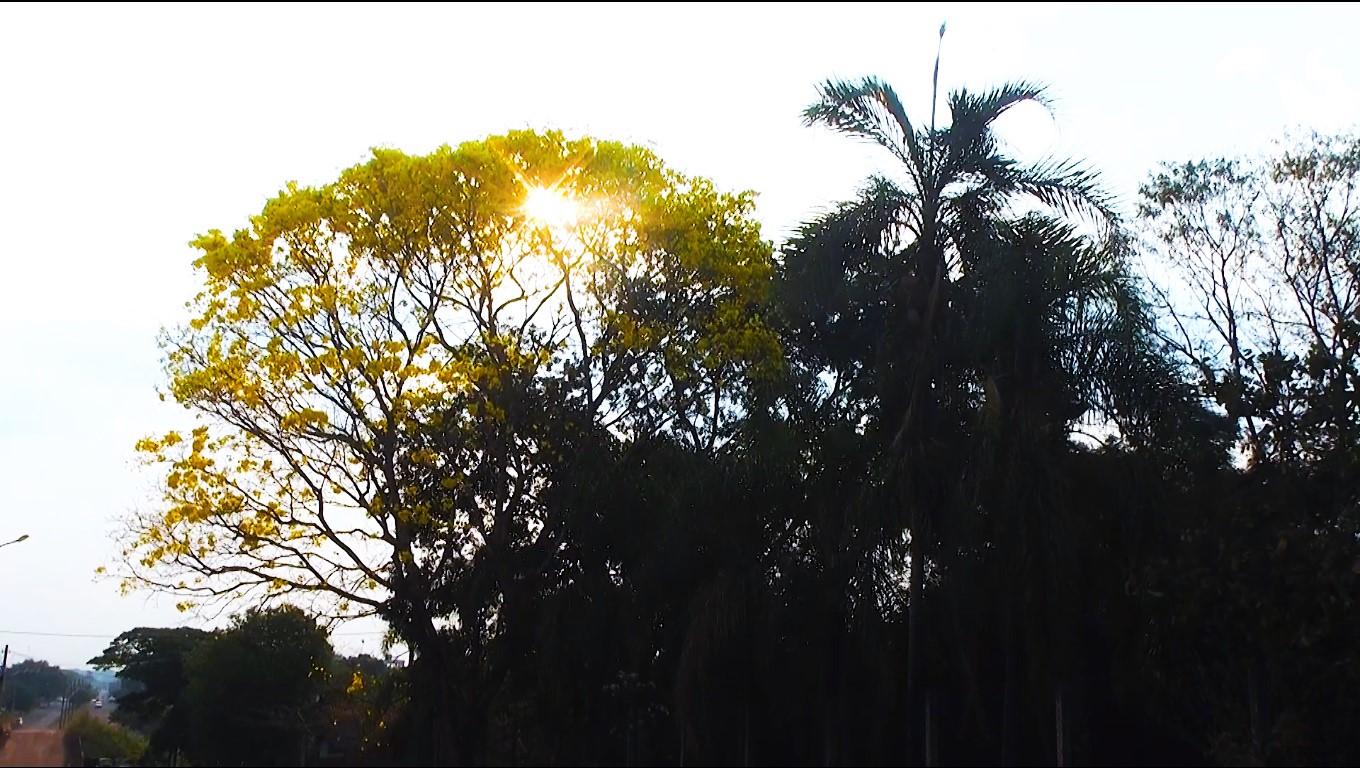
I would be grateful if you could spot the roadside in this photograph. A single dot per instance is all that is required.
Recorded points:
(33, 747)
(38, 742)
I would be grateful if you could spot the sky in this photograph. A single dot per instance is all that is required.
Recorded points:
(129, 129)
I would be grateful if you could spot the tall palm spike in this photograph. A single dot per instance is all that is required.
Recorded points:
(935, 80)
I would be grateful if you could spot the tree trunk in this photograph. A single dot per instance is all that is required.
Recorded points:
(1061, 748)
(1257, 710)
(746, 730)
(433, 678)
(1010, 697)
(932, 759)
(832, 688)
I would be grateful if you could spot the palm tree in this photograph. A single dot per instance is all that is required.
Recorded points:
(1058, 333)
(956, 180)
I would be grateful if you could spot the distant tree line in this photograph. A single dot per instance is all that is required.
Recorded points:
(33, 683)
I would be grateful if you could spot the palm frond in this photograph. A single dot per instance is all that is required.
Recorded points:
(972, 115)
(1068, 187)
(835, 272)
(869, 109)
(865, 222)
(990, 105)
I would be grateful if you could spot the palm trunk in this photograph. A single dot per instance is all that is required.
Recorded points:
(919, 296)
(916, 591)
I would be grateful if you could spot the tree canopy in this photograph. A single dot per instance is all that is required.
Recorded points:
(951, 476)
(33, 682)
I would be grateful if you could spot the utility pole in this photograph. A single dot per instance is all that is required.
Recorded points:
(65, 704)
(4, 665)
(72, 685)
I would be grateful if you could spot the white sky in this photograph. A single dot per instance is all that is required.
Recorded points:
(127, 130)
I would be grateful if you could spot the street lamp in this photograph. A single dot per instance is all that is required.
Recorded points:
(16, 541)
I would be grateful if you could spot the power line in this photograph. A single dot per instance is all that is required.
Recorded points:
(110, 637)
(55, 634)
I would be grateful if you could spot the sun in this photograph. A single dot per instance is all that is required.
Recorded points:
(550, 207)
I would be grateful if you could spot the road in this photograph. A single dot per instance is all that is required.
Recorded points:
(38, 741)
(43, 718)
(33, 747)
(104, 713)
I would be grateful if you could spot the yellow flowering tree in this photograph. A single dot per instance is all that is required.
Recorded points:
(378, 366)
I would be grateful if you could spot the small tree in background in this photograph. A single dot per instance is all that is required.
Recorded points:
(151, 664)
(255, 689)
(90, 739)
